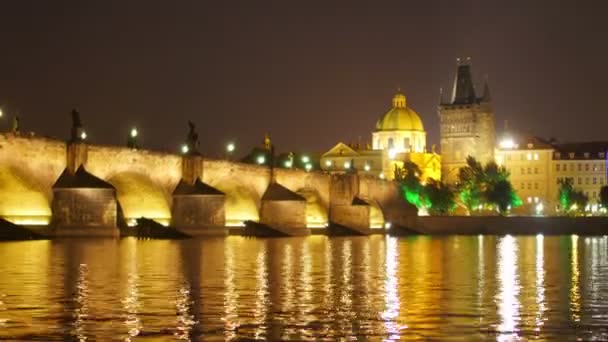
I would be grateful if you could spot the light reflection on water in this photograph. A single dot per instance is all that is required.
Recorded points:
(461, 288)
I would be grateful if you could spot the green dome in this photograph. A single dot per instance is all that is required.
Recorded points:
(400, 117)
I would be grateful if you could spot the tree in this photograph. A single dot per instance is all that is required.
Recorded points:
(604, 196)
(480, 185)
(438, 198)
(571, 200)
(409, 177)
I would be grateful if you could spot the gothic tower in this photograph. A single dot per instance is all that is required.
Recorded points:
(466, 124)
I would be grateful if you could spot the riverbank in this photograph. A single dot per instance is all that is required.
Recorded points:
(514, 225)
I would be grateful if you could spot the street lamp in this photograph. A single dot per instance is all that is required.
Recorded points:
(230, 147)
(261, 159)
(308, 167)
(305, 159)
(1, 112)
(185, 149)
(83, 135)
(134, 132)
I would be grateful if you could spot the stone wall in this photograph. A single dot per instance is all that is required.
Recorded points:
(81, 208)
(284, 215)
(510, 225)
(198, 212)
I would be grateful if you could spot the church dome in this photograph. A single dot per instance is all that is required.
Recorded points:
(400, 117)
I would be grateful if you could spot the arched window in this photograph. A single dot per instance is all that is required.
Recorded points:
(406, 144)
(391, 143)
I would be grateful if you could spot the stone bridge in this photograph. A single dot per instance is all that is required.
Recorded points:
(86, 189)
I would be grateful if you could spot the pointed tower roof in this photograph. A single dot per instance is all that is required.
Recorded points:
(486, 92)
(277, 192)
(80, 179)
(463, 91)
(198, 188)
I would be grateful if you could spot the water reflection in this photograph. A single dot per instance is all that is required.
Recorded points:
(315, 288)
(540, 282)
(507, 297)
(574, 282)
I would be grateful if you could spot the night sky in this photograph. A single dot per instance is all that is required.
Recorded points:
(309, 73)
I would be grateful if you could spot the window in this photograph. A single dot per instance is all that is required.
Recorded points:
(523, 171)
(523, 186)
(558, 155)
(571, 167)
(529, 156)
(594, 194)
(529, 186)
(587, 180)
(535, 170)
(535, 156)
(406, 144)
(586, 167)
(580, 167)
(586, 154)
(521, 157)
(535, 186)
(529, 171)
(580, 181)
(595, 167)
(558, 180)
(571, 155)
(391, 144)
(557, 167)
(594, 180)
(602, 155)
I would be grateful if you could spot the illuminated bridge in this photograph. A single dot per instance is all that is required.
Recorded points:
(84, 189)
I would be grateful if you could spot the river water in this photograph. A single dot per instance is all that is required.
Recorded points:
(469, 288)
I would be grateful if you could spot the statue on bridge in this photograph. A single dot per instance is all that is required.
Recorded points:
(77, 133)
(192, 138)
(16, 125)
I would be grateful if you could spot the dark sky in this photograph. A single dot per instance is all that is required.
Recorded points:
(310, 73)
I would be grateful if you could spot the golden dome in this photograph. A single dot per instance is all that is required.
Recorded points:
(400, 117)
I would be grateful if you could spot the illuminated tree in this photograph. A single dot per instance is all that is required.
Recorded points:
(604, 196)
(571, 200)
(409, 177)
(480, 185)
(438, 198)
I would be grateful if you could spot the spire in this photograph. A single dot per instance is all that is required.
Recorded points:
(463, 91)
(486, 92)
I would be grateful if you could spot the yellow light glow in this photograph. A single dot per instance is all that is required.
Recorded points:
(134, 132)
(261, 160)
(1, 112)
(230, 147)
(392, 153)
(185, 149)
(308, 167)
(347, 165)
(507, 143)
(305, 159)
(29, 221)
(328, 163)
(83, 135)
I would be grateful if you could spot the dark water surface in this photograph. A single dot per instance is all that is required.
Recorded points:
(444, 288)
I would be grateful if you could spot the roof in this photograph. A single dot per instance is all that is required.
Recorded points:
(80, 179)
(277, 192)
(463, 91)
(593, 148)
(198, 188)
(400, 117)
(523, 141)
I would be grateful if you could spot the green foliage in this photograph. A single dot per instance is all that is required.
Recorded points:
(571, 200)
(409, 177)
(604, 196)
(438, 198)
(480, 185)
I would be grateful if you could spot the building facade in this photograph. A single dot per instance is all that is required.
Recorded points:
(466, 125)
(399, 137)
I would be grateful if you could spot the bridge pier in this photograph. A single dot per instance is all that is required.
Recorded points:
(83, 205)
(282, 211)
(198, 209)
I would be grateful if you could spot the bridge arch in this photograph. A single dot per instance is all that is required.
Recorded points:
(24, 198)
(139, 195)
